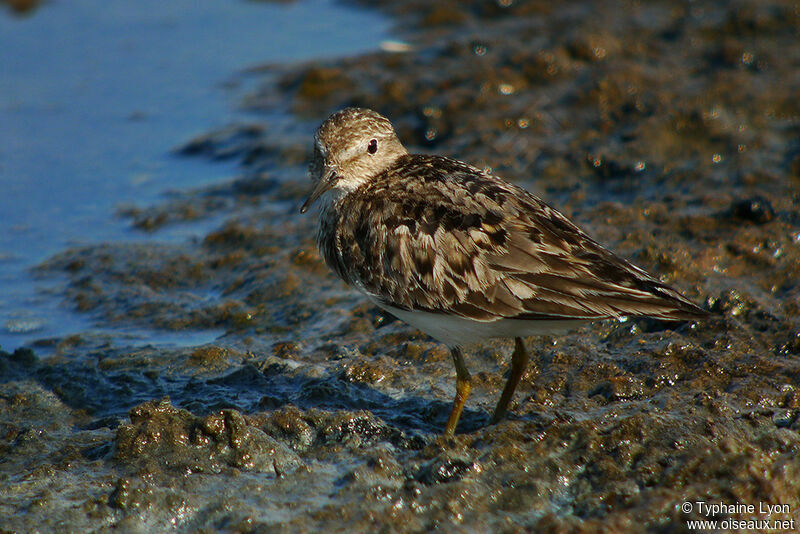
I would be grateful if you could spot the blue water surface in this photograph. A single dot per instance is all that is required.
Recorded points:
(95, 94)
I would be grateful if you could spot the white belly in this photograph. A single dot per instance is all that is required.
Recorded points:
(453, 330)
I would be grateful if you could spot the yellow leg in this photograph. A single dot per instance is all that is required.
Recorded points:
(519, 360)
(462, 392)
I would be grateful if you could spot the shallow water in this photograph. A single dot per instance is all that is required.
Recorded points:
(94, 97)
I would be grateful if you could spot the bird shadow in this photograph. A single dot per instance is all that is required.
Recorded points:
(275, 388)
(106, 396)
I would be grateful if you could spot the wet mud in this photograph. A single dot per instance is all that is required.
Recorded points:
(668, 130)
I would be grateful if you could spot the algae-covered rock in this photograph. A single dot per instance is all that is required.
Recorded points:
(173, 439)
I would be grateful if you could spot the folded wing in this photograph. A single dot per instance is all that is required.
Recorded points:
(465, 243)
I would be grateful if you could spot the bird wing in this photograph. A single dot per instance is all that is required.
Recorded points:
(438, 235)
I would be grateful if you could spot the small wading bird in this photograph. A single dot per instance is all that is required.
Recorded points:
(461, 254)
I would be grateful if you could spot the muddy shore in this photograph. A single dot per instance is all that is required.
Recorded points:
(668, 130)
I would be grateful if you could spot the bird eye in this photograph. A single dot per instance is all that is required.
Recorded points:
(373, 146)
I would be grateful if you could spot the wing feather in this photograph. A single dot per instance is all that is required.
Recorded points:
(437, 235)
